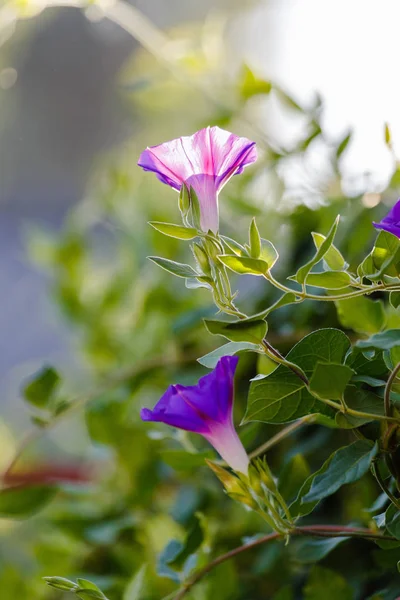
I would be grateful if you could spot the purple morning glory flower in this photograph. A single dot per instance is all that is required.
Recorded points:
(205, 408)
(391, 222)
(204, 161)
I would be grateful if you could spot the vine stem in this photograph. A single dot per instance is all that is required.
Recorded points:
(277, 357)
(388, 388)
(304, 295)
(327, 531)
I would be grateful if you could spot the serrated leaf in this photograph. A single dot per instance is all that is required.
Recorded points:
(361, 314)
(244, 265)
(329, 380)
(281, 396)
(21, 502)
(302, 273)
(175, 231)
(210, 360)
(178, 269)
(329, 280)
(245, 330)
(333, 258)
(39, 391)
(346, 465)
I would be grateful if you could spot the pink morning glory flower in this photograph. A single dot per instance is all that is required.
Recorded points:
(204, 161)
(391, 222)
(205, 408)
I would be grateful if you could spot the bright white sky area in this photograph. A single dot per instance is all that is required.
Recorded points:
(348, 50)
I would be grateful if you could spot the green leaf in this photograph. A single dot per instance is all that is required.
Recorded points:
(175, 231)
(40, 390)
(195, 208)
(361, 314)
(193, 541)
(329, 380)
(346, 465)
(251, 85)
(245, 330)
(179, 269)
(210, 360)
(244, 265)
(394, 299)
(329, 280)
(184, 200)
(287, 298)
(383, 341)
(234, 246)
(384, 258)
(268, 253)
(327, 585)
(137, 586)
(343, 145)
(254, 239)
(392, 521)
(311, 551)
(333, 258)
(303, 272)
(182, 460)
(87, 594)
(60, 583)
(361, 400)
(85, 584)
(21, 502)
(281, 396)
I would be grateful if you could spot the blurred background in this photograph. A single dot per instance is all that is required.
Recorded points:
(81, 94)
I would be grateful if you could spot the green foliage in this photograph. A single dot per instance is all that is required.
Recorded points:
(40, 390)
(153, 514)
(282, 396)
(361, 314)
(246, 330)
(22, 502)
(325, 583)
(302, 273)
(244, 265)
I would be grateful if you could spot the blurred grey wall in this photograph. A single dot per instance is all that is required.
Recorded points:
(64, 109)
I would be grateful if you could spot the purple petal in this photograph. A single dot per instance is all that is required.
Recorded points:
(391, 222)
(173, 410)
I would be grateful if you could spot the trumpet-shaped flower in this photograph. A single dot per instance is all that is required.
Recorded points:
(391, 222)
(204, 161)
(205, 408)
